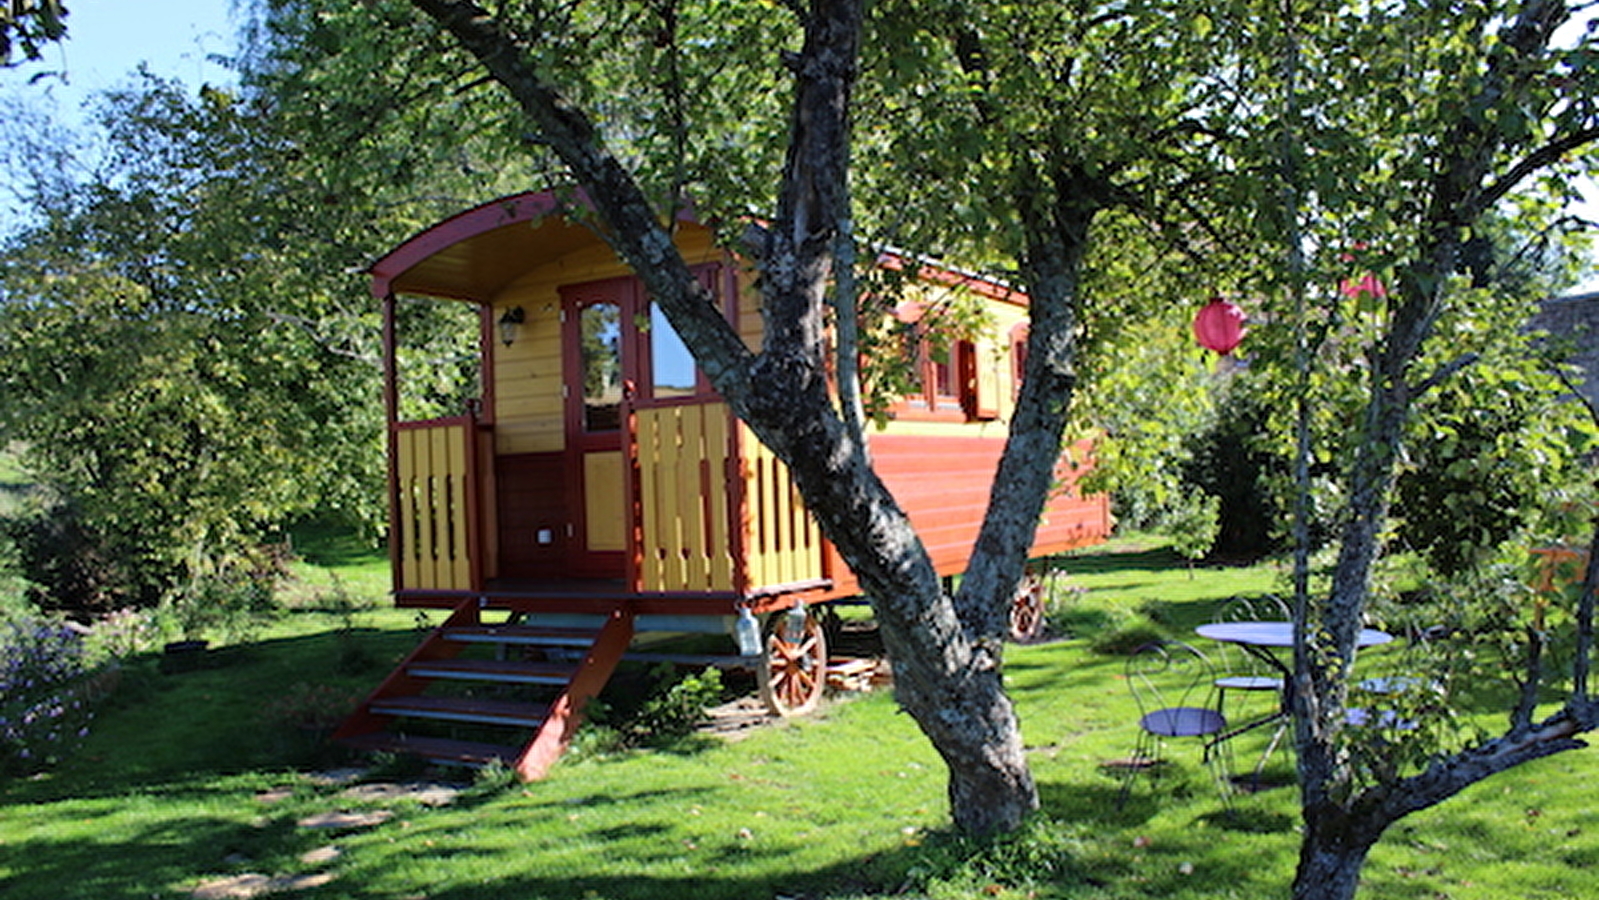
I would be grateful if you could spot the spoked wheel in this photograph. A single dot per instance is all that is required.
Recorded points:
(795, 672)
(1027, 609)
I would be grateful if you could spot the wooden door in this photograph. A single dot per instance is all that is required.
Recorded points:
(615, 345)
(598, 368)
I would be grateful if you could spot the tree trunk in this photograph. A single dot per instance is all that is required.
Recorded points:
(1331, 855)
(950, 684)
(946, 679)
(1342, 822)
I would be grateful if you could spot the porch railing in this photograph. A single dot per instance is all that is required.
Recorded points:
(782, 543)
(707, 523)
(433, 494)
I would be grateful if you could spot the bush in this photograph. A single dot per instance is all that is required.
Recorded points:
(1041, 852)
(1127, 636)
(678, 706)
(233, 600)
(44, 708)
(77, 569)
(670, 709)
(1231, 461)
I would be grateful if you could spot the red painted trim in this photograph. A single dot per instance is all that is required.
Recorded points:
(1017, 340)
(391, 414)
(566, 713)
(400, 682)
(633, 573)
(474, 506)
(622, 291)
(510, 210)
(738, 514)
(977, 284)
(461, 226)
(488, 342)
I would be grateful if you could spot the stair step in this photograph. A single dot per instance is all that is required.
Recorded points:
(466, 753)
(497, 670)
(464, 709)
(526, 635)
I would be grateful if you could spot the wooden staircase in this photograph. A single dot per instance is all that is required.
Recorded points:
(473, 693)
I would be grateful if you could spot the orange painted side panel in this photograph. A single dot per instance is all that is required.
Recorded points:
(943, 485)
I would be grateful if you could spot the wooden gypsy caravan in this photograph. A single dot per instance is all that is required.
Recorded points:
(598, 490)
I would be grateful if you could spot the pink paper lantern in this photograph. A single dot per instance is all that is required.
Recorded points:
(1220, 326)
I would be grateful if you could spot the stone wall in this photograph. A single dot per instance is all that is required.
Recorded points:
(1576, 318)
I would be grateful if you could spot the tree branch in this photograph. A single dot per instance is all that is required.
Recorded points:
(1450, 775)
(631, 224)
(1444, 373)
(1544, 156)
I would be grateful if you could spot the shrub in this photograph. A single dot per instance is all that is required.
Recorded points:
(44, 709)
(677, 707)
(1041, 852)
(234, 600)
(78, 569)
(121, 634)
(1127, 636)
(670, 709)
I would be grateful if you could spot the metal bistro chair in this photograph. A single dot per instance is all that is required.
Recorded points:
(1397, 691)
(1245, 672)
(1241, 670)
(1173, 684)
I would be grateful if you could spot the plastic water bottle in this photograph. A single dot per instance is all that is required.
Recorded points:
(748, 633)
(794, 623)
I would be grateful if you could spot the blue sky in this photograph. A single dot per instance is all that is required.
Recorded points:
(106, 39)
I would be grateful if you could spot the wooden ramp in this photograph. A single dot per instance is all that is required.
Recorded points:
(474, 693)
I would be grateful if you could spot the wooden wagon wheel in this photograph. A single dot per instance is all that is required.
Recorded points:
(1027, 609)
(794, 674)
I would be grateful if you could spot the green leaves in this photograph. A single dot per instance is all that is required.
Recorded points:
(27, 25)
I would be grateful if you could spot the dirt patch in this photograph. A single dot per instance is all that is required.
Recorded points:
(250, 884)
(427, 793)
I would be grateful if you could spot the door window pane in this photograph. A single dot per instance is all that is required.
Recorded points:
(602, 366)
(671, 366)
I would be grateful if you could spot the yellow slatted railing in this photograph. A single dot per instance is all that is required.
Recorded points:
(433, 489)
(782, 545)
(686, 538)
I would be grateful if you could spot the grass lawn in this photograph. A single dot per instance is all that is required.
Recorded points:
(186, 778)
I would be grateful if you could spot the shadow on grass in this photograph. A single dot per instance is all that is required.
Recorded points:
(1157, 559)
(164, 730)
(173, 854)
(331, 545)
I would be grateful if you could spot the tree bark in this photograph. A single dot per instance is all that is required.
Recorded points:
(948, 682)
(1343, 821)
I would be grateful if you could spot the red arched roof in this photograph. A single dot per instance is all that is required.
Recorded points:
(474, 254)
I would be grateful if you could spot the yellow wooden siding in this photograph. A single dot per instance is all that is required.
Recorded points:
(527, 379)
(996, 383)
(433, 487)
(686, 537)
(604, 501)
(782, 543)
(528, 406)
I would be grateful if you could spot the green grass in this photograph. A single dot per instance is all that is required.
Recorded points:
(846, 804)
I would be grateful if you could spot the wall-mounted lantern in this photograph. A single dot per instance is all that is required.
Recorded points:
(510, 324)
